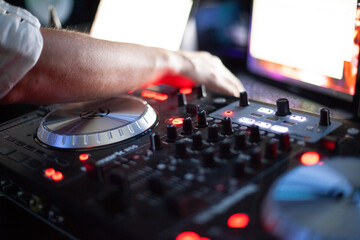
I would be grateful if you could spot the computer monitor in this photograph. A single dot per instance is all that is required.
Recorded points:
(155, 23)
(311, 44)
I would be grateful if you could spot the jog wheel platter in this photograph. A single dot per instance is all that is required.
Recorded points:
(317, 202)
(94, 124)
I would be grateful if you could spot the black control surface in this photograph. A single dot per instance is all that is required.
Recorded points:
(202, 171)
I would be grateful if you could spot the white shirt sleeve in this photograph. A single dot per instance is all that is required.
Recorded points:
(20, 45)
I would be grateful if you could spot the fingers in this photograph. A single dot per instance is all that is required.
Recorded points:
(208, 69)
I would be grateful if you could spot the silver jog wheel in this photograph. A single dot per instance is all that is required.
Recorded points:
(96, 123)
(316, 202)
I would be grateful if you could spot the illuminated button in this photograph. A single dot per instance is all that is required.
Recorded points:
(238, 220)
(247, 120)
(279, 129)
(265, 110)
(263, 125)
(185, 90)
(148, 94)
(228, 113)
(58, 176)
(298, 118)
(177, 121)
(160, 97)
(188, 236)
(83, 157)
(310, 158)
(49, 172)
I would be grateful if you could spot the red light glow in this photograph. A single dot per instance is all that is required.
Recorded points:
(228, 113)
(83, 157)
(49, 172)
(148, 94)
(177, 121)
(310, 158)
(154, 95)
(160, 97)
(186, 90)
(238, 220)
(58, 176)
(188, 236)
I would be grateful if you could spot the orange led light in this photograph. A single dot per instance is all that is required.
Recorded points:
(177, 121)
(238, 220)
(49, 172)
(188, 236)
(228, 113)
(185, 90)
(83, 157)
(310, 158)
(148, 94)
(160, 97)
(58, 176)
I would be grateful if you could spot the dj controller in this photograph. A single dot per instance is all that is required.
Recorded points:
(184, 164)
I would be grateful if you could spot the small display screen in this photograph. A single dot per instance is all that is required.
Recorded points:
(313, 44)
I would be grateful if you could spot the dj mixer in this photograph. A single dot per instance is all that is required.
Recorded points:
(184, 164)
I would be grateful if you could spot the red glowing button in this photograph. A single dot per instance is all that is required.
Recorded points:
(185, 90)
(49, 172)
(188, 236)
(160, 97)
(228, 113)
(238, 220)
(177, 121)
(58, 176)
(148, 94)
(83, 157)
(310, 158)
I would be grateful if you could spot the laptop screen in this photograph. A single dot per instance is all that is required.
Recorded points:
(155, 23)
(313, 44)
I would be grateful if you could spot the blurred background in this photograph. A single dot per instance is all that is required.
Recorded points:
(221, 26)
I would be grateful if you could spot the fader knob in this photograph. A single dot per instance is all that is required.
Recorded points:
(324, 117)
(271, 149)
(213, 133)
(197, 143)
(171, 133)
(239, 167)
(181, 100)
(240, 141)
(255, 158)
(208, 157)
(192, 109)
(243, 99)
(202, 91)
(283, 109)
(155, 141)
(284, 142)
(187, 126)
(180, 148)
(201, 119)
(224, 148)
(254, 134)
(227, 126)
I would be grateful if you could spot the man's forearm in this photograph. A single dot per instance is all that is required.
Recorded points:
(75, 67)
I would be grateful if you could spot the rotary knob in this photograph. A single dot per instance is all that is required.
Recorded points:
(213, 133)
(227, 126)
(180, 149)
(324, 117)
(197, 143)
(240, 141)
(243, 99)
(181, 100)
(254, 134)
(283, 109)
(201, 119)
(155, 141)
(171, 133)
(187, 126)
(202, 91)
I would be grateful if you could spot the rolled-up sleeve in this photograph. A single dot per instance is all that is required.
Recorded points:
(20, 45)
